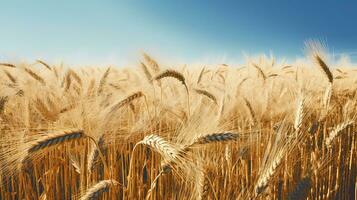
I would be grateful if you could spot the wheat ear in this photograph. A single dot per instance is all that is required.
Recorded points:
(96, 191)
(155, 66)
(94, 153)
(324, 68)
(75, 76)
(161, 146)
(214, 138)
(251, 111)
(103, 80)
(44, 64)
(173, 74)
(315, 48)
(11, 78)
(336, 131)
(3, 101)
(201, 75)
(178, 76)
(203, 183)
(59, 138)
(260, 71)
(299, 115)
(35, 76)
(125, 101)
(146, 72)
(8, 65)
(56, 139)
(75, 163)
(206, 139)
(207, 94)
(268, 173)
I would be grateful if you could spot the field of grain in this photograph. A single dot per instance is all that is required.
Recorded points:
(262, 130)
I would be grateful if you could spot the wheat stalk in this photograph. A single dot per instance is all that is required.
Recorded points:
(327, 97)
(301, 190)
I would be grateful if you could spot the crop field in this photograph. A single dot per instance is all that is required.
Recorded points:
(260, 130)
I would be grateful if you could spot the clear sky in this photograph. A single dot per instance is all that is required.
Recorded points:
(189, 30)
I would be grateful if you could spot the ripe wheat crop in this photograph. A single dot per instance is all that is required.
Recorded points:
(262, 130)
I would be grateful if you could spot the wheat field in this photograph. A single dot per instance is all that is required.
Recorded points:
(262, 130)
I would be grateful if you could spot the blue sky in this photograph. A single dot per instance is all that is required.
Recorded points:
(185, 30)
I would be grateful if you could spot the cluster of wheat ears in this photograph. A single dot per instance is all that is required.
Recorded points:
(264, 130)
